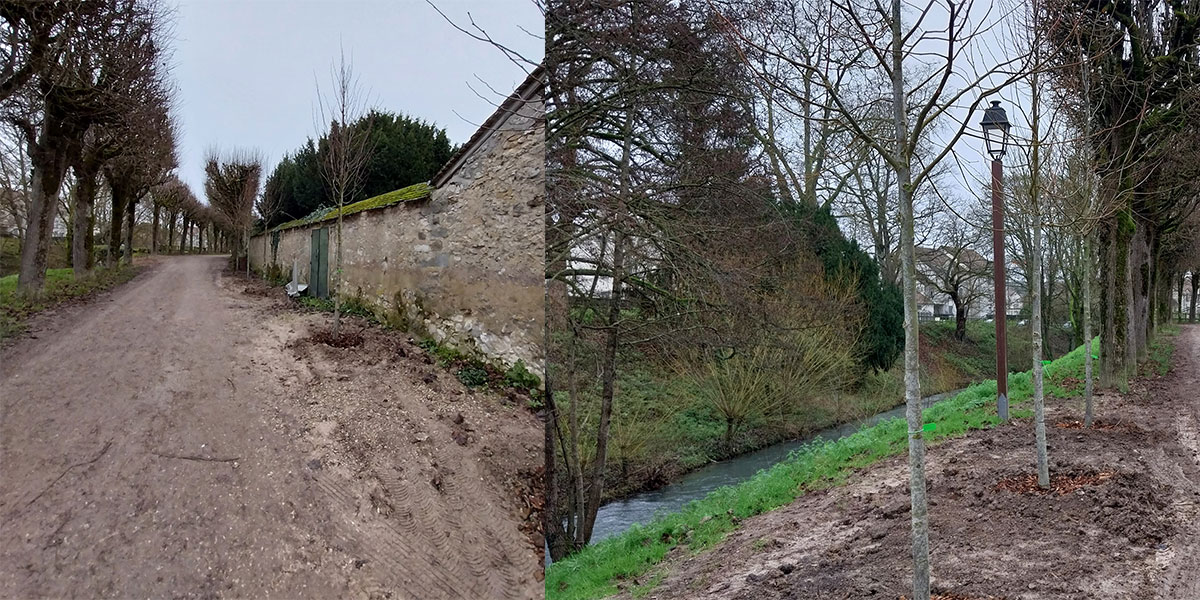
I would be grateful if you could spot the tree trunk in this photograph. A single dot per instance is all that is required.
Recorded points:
(609, 360)
(154, 230)
(114, 229)
(1115, 299)
(337, 269)
(1036, 315)
(49, 168)
(1035, 326)
(912, 358)
(83, 200)
(1182, 278)
(90, 244)
(1087, 330)
(1129, 364)
(556, 542)
(1192, 300)
(130, 221)
(960, 318)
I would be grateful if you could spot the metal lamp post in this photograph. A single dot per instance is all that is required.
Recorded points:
(995, 135)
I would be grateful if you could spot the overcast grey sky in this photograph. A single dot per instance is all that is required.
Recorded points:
(248, 70)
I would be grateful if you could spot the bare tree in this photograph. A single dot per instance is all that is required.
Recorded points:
(14, 181)
(111, 51)
(886, 42)
(954, 267)
(35, 35)
(346, 154)
(169, 197)
(231, 185)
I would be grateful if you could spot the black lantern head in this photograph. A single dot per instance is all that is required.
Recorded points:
(995, 130)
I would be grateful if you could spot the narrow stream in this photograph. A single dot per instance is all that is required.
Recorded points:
(619, 515)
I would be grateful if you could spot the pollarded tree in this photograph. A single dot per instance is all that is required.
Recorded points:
(110, 52)
(171, 196)
(143, 157)
(231, 185)
(134, 152)
(35, 35)
(1135, 92)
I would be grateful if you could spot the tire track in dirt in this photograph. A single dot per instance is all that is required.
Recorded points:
(421, 512)
(156, 367)
(432, 543)
(1180, 567)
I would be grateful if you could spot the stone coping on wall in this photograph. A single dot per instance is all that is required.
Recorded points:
(412, 193)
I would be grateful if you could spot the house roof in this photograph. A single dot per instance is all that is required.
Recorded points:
(938, 257)
(529, 88)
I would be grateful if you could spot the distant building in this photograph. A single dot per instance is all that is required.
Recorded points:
(973, 271)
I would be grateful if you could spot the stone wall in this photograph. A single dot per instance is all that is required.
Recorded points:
(463, 266)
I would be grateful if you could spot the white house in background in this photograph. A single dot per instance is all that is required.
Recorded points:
(976, 274)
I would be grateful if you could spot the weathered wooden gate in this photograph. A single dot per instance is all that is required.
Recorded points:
(318, 267)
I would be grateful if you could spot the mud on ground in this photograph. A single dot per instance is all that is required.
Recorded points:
(1119, 522)
(172, 438)
(439, 482)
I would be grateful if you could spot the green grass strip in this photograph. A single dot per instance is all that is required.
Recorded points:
(60, 286)
(596, 571)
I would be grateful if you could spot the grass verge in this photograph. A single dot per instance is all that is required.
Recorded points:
(61, 286)
(596, 571)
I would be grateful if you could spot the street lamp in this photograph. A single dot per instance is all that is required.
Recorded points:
(995, 136)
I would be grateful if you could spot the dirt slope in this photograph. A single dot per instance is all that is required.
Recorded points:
(173, 440)
(1124, 525)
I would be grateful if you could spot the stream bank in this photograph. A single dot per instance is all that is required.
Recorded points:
(618, 515)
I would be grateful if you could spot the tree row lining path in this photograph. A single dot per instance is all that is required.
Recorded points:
(1131, 530)
(138, 458)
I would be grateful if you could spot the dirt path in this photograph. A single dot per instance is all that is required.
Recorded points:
(170, 441)
(1129, 530)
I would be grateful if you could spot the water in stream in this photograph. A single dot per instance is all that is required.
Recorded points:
(619, 515)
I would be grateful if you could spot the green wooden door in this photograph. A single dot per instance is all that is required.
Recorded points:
(318, 267)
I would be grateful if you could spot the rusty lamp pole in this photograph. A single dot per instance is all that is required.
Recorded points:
(995, 136)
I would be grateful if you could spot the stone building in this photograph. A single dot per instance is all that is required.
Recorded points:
(459, 259)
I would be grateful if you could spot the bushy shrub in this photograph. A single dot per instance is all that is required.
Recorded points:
(882, 338)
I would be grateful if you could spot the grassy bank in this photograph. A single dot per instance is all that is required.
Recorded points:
(10, 255)
(663, 426)
(597, 571)
(61, 286)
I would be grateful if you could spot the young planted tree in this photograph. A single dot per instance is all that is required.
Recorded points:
(1036, 112)
(886, 42)
(347, 150)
